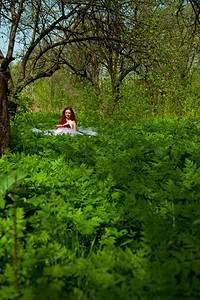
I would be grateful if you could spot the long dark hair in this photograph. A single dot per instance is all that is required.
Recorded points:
(63, 118)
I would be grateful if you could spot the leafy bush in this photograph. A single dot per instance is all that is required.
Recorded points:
(112, 216)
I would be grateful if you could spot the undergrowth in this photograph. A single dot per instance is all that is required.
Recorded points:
(114, 216)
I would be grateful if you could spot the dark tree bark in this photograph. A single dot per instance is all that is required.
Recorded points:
(12, 105)
(4, 116)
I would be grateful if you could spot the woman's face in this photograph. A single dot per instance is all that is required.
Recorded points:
(68, 114)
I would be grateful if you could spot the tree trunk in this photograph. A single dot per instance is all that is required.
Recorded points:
(4, 116)
(113, 102)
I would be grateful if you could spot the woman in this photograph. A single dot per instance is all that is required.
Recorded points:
(68, 118)
(67, 125)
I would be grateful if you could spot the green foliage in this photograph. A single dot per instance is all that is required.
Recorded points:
(50, 93)
(112, 216)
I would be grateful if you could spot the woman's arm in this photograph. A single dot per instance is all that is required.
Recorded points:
(74, 125)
